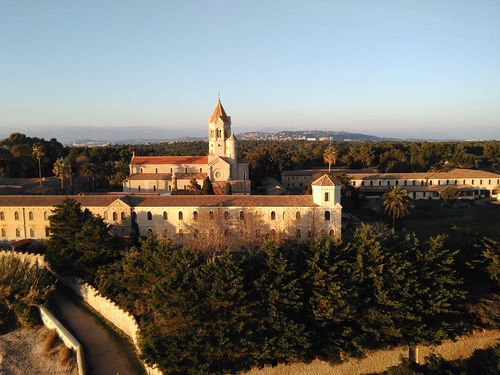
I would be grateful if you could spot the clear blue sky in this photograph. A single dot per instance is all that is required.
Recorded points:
(388, 68)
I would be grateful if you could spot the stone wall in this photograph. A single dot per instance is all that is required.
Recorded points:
(110, 311)
(33, 258)
(52, 323)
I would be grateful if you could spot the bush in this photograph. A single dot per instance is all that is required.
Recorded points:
(65, 354)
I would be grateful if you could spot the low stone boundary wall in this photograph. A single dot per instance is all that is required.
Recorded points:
(110, 311)
(33, 258)
(52, 323)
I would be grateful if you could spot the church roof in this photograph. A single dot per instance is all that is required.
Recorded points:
(143, 160)
(166, 176)
(324, 180)
(219, 112)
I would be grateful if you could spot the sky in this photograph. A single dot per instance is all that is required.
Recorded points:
(392, 68)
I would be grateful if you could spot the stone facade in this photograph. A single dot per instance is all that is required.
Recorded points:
(179, 216)
(470, 183)
(164, 174)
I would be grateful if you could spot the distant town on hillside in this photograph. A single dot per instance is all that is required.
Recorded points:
(285, 135)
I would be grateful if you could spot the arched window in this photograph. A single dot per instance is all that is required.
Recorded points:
(273, 215)
(165, 215)
(242, 215)
(165, 232)
(273, 233)
(297, 215)
(16, 215)
(309, 233)
(181, 233)
(211, 215)
(122, 216)
(298, 233)
(226, 215)
(150, 231)
(327, 215)
(139, 187)
(195, 216)
(115, 216)
(4, 232)
(195, 233)
(150, 215)
(284, 215)
(181, 216)
(32, 232)
(2, 215)
(156, 170)
(30, 215)
(154, 187)
(332, 232)
(45, 215)
(18, 232)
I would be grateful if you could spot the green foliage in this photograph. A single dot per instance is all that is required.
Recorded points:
(228, 190)
(396, 203)
(23, 285)
(79, 242)
(18, 159)
(275, 302)
(449, 192)
(207, 188)
(215, 314)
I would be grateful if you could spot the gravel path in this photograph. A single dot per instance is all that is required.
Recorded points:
(105, 353)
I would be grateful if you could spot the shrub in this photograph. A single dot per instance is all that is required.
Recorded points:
(65, 354)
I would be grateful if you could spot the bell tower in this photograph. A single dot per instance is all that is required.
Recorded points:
(219, 131)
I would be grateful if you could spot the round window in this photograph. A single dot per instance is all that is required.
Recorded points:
(218, 174)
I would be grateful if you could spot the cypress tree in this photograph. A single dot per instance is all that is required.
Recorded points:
(275, 303)
(207, 188)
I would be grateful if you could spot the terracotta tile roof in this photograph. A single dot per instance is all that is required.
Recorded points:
(154, 200)
(218, 112)
(450, 174)
(324, 180)
(167, 176)
(97, 200)
(147, 160)
(222, 201)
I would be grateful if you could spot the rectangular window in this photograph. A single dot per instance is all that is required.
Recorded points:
(327, 197)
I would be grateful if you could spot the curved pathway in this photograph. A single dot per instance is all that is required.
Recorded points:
(105, 352)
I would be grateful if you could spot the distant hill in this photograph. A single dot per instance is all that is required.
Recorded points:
(310, 135)
(283, 135)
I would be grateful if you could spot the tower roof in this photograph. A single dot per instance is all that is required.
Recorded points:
(324, 180)
(219, 112)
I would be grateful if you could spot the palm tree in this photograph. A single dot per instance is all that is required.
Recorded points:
(89, 170)
(396, 203)
(62, 169)
(39, 153)
(330, 156)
